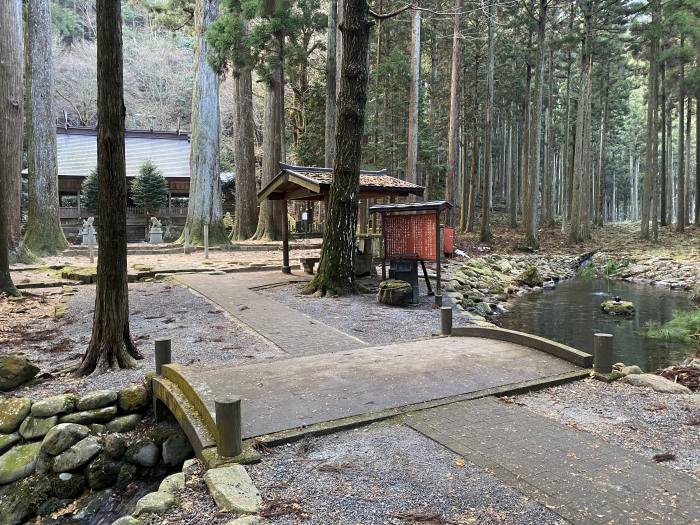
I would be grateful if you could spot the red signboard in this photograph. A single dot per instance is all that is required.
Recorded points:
(410, 234)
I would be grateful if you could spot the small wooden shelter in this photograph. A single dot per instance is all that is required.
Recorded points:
(308, 183)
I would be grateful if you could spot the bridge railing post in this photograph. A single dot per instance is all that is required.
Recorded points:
(446, 320)
(602, 353)
(228, 426)
(163, 354)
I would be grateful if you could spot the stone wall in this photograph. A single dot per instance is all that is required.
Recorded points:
(53, 449)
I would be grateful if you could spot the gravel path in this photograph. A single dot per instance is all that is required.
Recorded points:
(200, 333)
(362, 316)
(385, 474)
(633, 417)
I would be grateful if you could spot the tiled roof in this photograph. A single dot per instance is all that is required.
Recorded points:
(77, 153)
(367, 179)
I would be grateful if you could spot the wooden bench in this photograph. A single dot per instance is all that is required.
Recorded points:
(308, 264)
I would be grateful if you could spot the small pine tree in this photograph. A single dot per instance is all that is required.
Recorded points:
(88, 191)
(149, 189)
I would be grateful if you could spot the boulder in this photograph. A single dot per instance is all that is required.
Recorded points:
(393, 292)
(13, 410)
(657, 383)
(15, 370)
(97, 399)
(63, 436)
(190, 467)
(530, 277)
(92, 505)
(114, 445)
(154, 503)
(124, 423)
(144, 453)
(133, 398)
(23, 499)
(77, 455)
(90, 416)
(18, 462)
(102, 472)
(233, 490)
(53, 406)
(7, 440)
(612, 307)
(173, 483)
(632, 369)
(176, 449)
(247, 520)
(36, 427)
(127, 474)
(483, 309)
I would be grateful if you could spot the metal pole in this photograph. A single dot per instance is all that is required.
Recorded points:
(163, 354)
(228, 426)
(206, 241)
(438, 294)
(446, 320)
(602, 353)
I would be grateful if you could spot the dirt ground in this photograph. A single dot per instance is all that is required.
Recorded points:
(200, 333)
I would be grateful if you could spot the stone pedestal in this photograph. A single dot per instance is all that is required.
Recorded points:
(155, 236)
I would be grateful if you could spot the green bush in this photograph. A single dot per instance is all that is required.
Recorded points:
(88, 191)
(586, 272)
(683, 328)
(149, 189)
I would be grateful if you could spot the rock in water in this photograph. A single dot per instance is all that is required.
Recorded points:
(18, 462)
(15, 370)
(612, 307)
(657, 383)
(13, 410)
(395, 293)
(531, 277)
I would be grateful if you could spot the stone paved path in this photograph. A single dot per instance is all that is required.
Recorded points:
(584, 479)
(291, 393)
(294, 332)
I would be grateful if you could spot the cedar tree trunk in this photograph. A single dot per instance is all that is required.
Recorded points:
(111, 346)
(44, 235)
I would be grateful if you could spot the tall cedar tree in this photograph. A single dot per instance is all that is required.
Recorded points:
(11, 109)
(204, 208)
(336, 273)
(44, 235)
(88, 191)
(111, 346)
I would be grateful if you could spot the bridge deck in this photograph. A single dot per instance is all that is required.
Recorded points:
(312, 389)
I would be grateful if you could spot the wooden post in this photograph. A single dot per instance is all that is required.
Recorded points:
(446, 320)
(285, 240)
(384, 250)
(438, 256)
(228, 426)
(163, 354)
(602, 353)
(78, 196)
(206, 241)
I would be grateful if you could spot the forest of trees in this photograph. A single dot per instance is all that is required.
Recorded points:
(561, 114)
(571, 113)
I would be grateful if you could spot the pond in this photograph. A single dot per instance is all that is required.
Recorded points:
(571, 314)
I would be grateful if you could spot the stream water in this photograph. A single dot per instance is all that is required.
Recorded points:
(571, 314)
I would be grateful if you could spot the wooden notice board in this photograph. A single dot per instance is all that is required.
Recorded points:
(411, 234)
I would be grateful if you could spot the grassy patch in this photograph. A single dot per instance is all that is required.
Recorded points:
(586, 272)
(683, 328)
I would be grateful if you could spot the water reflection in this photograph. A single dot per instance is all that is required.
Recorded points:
(571, 314)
